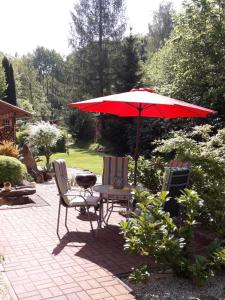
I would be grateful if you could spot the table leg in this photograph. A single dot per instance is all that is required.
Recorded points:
(100, 212)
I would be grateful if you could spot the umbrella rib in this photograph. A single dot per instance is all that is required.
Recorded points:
(147, 106)
(159, 111)
(129, 104)
(188, 109)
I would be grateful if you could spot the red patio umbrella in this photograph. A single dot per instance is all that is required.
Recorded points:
(139, 103)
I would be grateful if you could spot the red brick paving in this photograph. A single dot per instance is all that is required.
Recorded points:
(80, 266)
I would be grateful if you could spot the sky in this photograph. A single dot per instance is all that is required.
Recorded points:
(26, 24)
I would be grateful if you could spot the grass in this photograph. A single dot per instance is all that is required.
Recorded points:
(80, 158)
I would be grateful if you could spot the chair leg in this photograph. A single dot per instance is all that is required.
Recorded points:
(90, 219)
(66, 219)
(59, 210)
(110, 210)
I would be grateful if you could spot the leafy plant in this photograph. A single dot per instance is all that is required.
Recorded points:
(140, 274)
(8, 148)
(151, 232)
(22, 137)
(205, 151)
(11, 169)
(149, 173)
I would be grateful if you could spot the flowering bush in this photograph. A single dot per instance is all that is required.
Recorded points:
(44, 135)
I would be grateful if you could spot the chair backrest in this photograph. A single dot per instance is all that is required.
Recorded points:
(179, 164)
(61, 176)
(115, 167)
(175, 180)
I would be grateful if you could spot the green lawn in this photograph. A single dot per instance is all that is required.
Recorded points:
(80, 158)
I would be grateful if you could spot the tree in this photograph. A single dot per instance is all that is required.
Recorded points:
(97, 27)
(45, 135)
(9, 75)
(50, 69)
(129, 74)
(29, 88)
(161, 27)
(191, 65)
(3, 84)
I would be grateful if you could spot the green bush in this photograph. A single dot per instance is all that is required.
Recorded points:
(62, 142)
(11, 169)
(205, 151)
(151, 232)
(149, 172)
(22, 138)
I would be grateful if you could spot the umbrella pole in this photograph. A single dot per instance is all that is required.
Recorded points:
(136, 155)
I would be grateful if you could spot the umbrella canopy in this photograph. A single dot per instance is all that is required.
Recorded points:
(145, 100)
(142, 103)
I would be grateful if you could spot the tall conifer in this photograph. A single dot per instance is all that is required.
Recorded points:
(10, 94)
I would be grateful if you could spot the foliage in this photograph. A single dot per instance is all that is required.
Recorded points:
(22, 137)
(81, 125)
(30, 91)
(140, 274)
(3, 84)
(10, 93)
(191, 64)
(115, 133)
(11, 169)
(8, 148)
(97, 147)
(161, 27)
(153, 233)
(205, 152)
(26, 105)
(97, 27)
(62, 143)
(50, 69)
(43, 134)
(149, 172)
(128, 75)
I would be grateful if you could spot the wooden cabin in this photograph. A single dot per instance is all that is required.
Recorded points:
(8, 116)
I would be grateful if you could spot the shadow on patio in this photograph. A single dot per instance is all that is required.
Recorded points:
(105, 249)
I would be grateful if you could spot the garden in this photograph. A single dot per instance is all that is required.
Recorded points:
(181, 57)
(192, 247)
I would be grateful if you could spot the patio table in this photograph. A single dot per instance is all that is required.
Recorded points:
(111, 195)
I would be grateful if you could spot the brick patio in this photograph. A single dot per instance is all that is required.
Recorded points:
(80, 266)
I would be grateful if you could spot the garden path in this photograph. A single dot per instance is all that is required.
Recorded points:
(80, 266)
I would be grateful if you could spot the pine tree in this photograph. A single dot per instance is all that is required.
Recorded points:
(11, 88)
(97, 27)
(129, 74)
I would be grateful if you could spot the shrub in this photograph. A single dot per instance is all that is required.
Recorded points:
(96, 147)
(149, 172)
(11, 169)
(205, 151)
(62, 143)
(22, 138)
(153, 233)
(8, 148)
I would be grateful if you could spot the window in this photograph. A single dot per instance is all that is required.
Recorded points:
(5, 122)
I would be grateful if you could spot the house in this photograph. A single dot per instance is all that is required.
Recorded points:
(8, 116)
